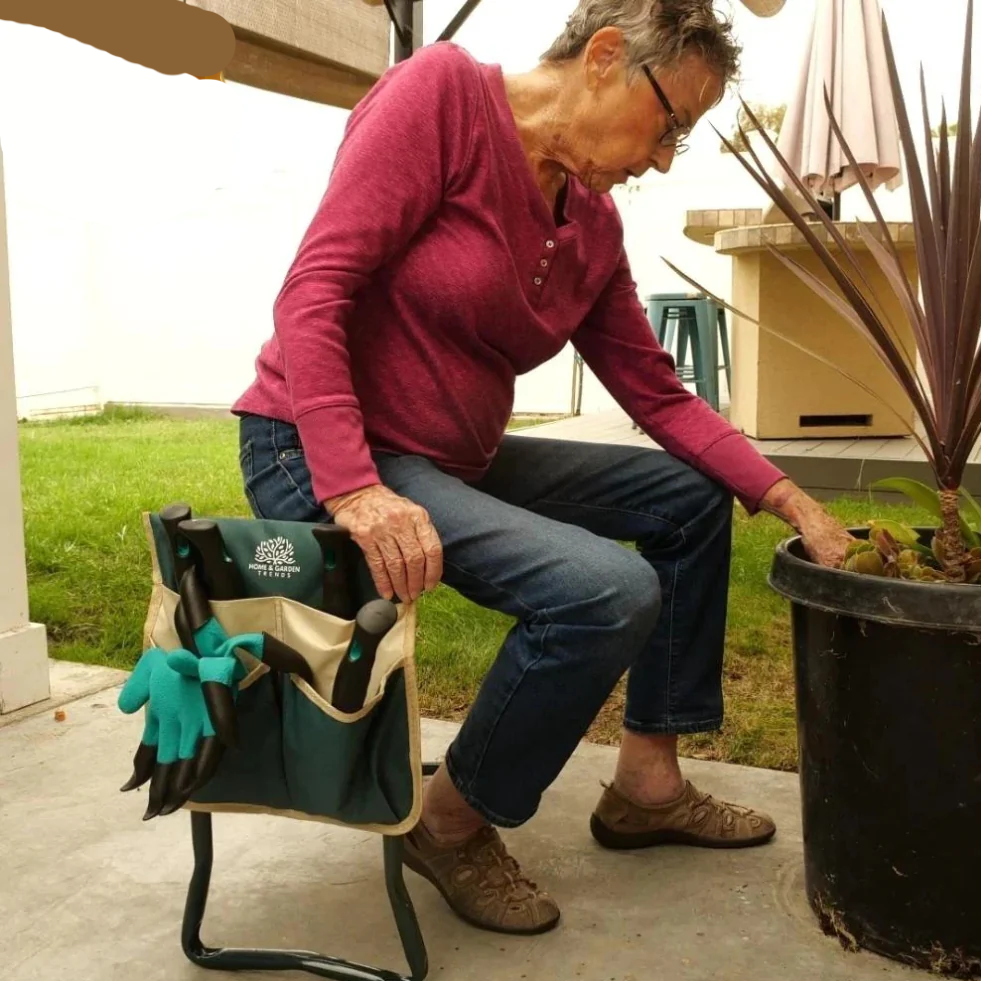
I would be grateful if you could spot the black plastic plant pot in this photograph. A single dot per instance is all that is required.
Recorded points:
(888, 691)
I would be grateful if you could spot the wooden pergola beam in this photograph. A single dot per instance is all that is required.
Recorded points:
(275, 68)
(330, 52)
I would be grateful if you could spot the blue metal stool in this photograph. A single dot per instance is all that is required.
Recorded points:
(700, 322)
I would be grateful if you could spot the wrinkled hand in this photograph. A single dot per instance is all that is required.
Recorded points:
(400, 544)
(824, 538)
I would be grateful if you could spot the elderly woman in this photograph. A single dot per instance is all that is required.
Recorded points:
(465, 237)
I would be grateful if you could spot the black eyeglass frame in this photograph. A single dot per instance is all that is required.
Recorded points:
(678, 132)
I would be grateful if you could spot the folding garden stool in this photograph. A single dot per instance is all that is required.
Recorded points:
(297, 755)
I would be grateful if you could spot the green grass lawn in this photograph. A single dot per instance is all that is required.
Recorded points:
(86, 482)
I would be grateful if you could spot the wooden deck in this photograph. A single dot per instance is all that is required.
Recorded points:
(825, 468)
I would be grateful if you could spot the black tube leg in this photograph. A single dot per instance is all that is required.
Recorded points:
(202, 841)
(324, 966)
(405, 915)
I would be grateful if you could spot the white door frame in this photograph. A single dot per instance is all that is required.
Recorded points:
(24, 676)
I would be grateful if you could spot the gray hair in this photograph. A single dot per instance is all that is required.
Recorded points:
(656, 33)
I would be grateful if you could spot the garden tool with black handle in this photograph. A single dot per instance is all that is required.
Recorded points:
(373, 622)
(345, 575)
(338, 571)
(180, 552)
(220, 574)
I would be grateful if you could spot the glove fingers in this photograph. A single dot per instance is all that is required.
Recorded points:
(185, 778)
(144, 761)
(183, 662)
(136, 692)
(282, 657)
(221, 709)
(158, 789)
(179, 785)
(209, 756)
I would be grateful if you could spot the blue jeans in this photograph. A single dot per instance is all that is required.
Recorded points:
(539, 538)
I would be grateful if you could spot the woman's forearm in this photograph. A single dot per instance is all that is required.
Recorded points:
(823, 536)
(787, 501)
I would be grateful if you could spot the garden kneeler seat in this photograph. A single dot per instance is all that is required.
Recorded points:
(295, 754)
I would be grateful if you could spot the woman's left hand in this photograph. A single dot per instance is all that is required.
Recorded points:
(824, 538)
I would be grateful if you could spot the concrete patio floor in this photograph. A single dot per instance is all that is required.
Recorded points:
(90, 893)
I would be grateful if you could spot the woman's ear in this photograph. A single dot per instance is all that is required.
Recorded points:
(604, 57)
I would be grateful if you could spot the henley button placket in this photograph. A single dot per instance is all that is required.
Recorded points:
(549, 244)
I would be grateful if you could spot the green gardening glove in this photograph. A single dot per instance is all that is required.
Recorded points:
(189, 704)
(180, 749)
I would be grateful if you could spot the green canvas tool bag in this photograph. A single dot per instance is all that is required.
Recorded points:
(298, 756)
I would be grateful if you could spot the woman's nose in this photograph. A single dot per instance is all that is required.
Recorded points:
(663, 158)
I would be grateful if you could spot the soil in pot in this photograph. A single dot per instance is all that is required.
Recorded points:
(888, 690)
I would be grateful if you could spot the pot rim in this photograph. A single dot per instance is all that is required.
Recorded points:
(931, 606)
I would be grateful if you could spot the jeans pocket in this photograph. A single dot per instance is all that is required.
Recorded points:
(246, 459)
(283, 491)
(278, 484)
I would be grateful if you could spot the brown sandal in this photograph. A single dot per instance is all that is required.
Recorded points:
(693, 818)
(481, 882)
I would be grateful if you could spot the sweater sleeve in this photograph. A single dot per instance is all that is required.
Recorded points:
(618, 344)
(403, 146)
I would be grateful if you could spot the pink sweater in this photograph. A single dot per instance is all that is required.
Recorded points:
(433, 273)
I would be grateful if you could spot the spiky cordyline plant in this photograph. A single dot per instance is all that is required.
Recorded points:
(946, 213)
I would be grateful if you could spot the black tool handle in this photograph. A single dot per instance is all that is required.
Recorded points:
(171, 517)
(221, 577)
(193, 612)
(373, 621)
(335, 543)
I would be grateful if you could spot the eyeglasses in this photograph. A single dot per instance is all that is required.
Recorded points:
(677, 132)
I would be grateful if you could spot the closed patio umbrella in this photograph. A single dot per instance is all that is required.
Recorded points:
(846, 55)
(764, 8)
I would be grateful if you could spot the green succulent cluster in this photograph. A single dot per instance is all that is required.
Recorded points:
(894, 550)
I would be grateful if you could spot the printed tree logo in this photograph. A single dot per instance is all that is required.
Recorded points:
(275, 551)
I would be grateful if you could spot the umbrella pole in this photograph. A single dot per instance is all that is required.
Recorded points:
(406, 17)
(403, 16)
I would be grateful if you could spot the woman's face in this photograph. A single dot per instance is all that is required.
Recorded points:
(619, 122)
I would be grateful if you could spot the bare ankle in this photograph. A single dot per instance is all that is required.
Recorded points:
(648, 771)
(448, 833)
(649, 794)
(447, 817)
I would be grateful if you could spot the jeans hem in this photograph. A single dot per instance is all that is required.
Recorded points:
(674, 727)
(482, 809)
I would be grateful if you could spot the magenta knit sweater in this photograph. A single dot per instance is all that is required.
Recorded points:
(434, 272)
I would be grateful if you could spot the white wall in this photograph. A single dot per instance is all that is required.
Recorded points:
(186, 326)
(154, 216)
(51, 301)
(170, 306)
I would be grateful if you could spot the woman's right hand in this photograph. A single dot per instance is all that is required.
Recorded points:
(397, 537)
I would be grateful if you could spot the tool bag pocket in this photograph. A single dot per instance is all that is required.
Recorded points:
(298, 756)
